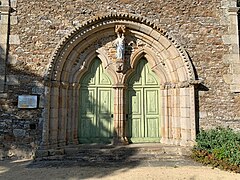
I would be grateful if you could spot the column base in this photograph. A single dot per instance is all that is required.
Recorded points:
(120, 141)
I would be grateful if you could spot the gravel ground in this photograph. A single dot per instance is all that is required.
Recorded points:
(74, 170)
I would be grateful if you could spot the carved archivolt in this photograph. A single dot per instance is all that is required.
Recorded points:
(142, 37)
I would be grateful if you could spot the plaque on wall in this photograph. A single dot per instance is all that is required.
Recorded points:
(27, 101)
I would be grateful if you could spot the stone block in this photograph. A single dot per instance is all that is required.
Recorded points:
(12, 59)
(4, 20)
(231, 58)
(12, 80)
(71, 151)
(236, 78)
(2, 78)
(13, 3)
(13, 20)
(165, 42)
(235, 88)
(173, 52)
(227, 78)
(184, 101)
(146, 29)
(185, 112)
(14, 39)
(203, 114)
(184, 91)
(3, 95)
(19, 132)
(182, 74)
(53, 152)
(41, 153)
(155, 34)
(41, 102)
(3, 30)
(235, 48)
(227, 39)
(38, 90)
(3, 39)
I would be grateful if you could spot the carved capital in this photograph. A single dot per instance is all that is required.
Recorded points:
(119, 66)
(121, 29)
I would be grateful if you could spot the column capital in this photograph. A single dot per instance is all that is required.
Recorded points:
(119, 86)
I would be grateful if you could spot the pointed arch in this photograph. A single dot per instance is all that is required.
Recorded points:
(73, 55)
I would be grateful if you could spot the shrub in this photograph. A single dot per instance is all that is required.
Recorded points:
(219, 147)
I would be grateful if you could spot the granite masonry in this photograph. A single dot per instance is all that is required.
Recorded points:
(48, 46)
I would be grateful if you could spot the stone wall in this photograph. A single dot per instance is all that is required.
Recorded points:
(38, 26)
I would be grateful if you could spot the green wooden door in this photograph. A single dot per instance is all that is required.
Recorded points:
(96, 96)
(143, 105)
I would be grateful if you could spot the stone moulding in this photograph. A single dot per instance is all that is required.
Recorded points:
(73, 56)
(98, 22)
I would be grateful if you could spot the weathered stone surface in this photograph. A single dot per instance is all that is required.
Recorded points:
(13, 80)
(14, 39)
(41, 153)
(19, 132)
(55, 152)
(201, 27)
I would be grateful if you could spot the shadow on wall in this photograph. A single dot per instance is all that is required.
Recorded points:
(199, 88)
(20, 129)
(21, 139)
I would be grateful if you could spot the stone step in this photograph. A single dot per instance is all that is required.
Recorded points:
(127, 149)
(129, 152)
(137, 154)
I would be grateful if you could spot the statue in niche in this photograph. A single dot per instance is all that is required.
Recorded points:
(120, 46)
(119, 43)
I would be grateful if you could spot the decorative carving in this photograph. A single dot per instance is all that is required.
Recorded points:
(120, 47)
(113, 18)
(140, 43)
(119, 66)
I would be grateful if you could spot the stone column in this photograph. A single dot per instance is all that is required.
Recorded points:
(75, 104)
(165, 117)
(72, 114)
(192, 102)
(119, 114)
(54, 114)
(4, 24)
(46, 117)
(187, 116)
(62, 120)
(176, 130)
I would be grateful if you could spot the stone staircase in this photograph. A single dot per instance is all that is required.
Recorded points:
(133, 154)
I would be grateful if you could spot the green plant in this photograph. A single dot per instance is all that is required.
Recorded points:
(219, 147)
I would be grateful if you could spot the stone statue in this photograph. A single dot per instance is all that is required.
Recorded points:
(120, 46)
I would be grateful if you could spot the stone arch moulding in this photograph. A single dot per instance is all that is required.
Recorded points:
(95, 39)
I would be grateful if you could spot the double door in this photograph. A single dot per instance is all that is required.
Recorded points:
(142, 123)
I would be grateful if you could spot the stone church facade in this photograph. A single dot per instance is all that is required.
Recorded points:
(118, 72)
